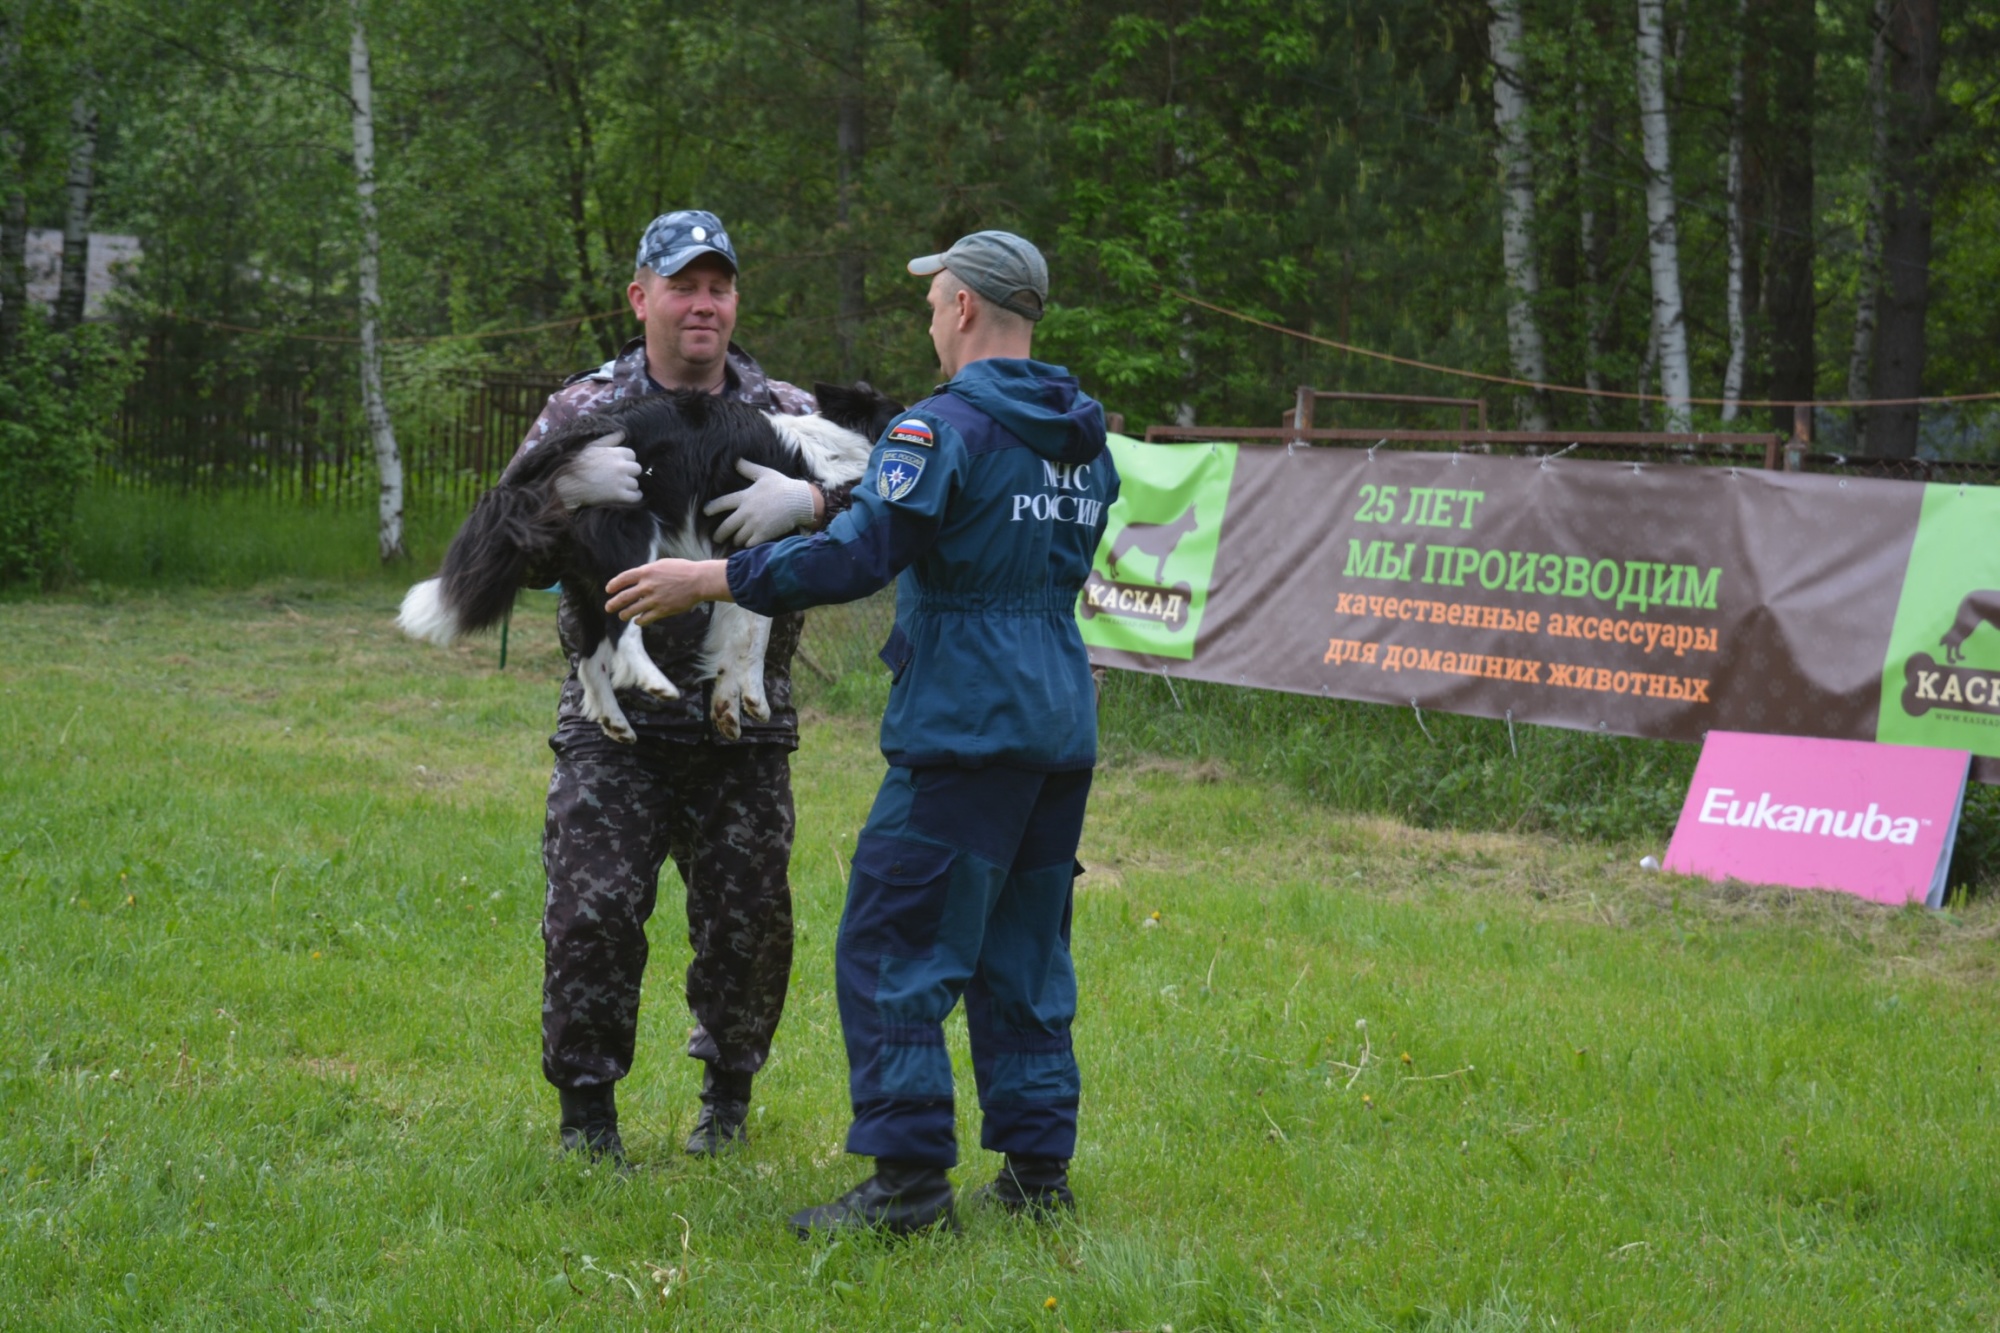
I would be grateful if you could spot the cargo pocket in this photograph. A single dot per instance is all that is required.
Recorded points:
(896, 653)
(899, 895)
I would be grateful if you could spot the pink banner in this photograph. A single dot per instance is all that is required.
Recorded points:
(1854, 816)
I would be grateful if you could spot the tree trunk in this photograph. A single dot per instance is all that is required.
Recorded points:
(852, 138)
(79, 188)
(13, 204)
(1791, 41)
(1912, 36)
(1517, 211)
(388, 461)
(1663, 243)
(1590, 248)
(1739, 324)
(13, 248)
(1868, 281)
(1646, 364)
(1756, 195)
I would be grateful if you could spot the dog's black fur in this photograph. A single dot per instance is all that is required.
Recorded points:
(687, 445)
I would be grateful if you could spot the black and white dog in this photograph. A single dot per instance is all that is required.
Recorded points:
(687, 446)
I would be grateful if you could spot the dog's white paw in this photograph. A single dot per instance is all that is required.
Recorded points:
(619, 729)
(596, 674)
(632, 668)
(757, 644)
(725, 707)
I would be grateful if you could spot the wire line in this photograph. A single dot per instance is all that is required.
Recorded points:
(1482, 376)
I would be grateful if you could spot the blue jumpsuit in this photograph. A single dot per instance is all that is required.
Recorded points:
(988, 500)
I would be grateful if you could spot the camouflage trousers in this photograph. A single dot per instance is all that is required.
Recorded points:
(615, 814)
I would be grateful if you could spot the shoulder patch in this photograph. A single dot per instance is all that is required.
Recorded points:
(913, 430)
(899, 473)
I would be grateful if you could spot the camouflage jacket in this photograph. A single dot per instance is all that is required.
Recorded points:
(675, 643)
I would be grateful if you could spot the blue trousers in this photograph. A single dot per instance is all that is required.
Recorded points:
(962, 885)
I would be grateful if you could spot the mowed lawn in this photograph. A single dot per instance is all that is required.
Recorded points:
(270, 969)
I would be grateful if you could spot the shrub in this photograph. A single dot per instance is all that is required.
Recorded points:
(59, 394)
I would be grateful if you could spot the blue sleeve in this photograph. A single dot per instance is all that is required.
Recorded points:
(896, 511)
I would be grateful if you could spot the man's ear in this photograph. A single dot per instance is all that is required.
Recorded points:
(635, 296)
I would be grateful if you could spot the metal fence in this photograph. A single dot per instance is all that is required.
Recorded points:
(1767, 450)
(297, 440)
(300, 438)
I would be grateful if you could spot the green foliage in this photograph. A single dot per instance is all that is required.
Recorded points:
(57, 398)
(1328, 167)
(270, 965)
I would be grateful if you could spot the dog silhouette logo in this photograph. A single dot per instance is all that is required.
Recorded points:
(1978, 608)
(1154, 539)
(1123, 595)
(1950, 686)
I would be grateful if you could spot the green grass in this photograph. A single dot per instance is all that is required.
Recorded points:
(270, 962)
(1439, 771)
(132, 538)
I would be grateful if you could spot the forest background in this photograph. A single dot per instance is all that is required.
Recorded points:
(1359, 169)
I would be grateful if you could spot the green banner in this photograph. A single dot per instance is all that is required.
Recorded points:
(1148, 589)
(1941, 678)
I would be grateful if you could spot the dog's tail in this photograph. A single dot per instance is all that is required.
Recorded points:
(425, 616)
(511, 528)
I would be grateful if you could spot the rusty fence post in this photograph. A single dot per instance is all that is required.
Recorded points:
(1801, 442)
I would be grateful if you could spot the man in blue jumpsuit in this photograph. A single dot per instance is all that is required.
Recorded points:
(988, 500)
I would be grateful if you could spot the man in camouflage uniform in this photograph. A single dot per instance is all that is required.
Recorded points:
(721, 809)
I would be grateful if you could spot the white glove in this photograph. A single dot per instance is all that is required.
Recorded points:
(603, 472)
(772, 506)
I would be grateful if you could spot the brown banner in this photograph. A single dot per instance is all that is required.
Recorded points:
(1646, 600)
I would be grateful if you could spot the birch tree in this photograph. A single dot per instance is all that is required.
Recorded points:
(1517, 210)
(1663, 232)
(381, 434)
(1739, 324)
(78, 190)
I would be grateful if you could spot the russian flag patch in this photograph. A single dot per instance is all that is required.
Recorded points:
(912, 431)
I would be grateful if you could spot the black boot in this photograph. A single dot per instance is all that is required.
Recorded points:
(901, 1197)
(590, 1122)
(725, 1105)
(1036, 1186)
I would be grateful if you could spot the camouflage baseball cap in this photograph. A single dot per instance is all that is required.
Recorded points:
(1004, 268)
(675, 240)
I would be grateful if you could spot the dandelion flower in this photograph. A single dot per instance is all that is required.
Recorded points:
(1406, 1058)
(1049, 1304)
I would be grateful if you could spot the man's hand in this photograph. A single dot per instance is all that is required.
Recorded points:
(772, 506)
(603, 472)
(667, 588)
